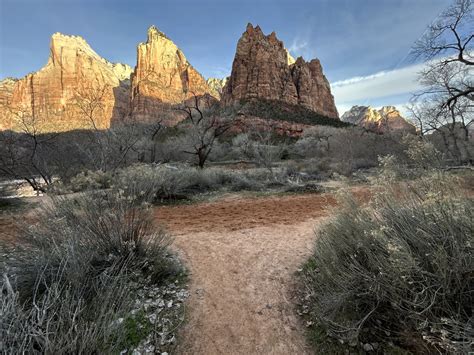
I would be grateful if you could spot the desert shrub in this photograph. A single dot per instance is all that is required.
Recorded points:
(59, 320)
(347, 149)
(420, 159)
(399, 270)
(90, 180)
(421, 153)
(157, 183)
(68, 278)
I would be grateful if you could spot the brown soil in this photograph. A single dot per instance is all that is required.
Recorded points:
(243, 254)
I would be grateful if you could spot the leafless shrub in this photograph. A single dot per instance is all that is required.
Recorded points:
(399, 270)
(67, 279)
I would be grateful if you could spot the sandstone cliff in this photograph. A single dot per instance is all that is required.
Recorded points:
(6, 92)
(162, 75)
(387, 119)
(263, 69)
(216, 84)
(59, 97)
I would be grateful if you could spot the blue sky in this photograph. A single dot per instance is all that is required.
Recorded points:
(362, 44)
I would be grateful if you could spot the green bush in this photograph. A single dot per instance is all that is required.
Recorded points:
(399, 270)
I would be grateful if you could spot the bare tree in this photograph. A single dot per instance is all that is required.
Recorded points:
(446, 102)
(26, 155)
(261, 145)
(204, 127)
(109, 147)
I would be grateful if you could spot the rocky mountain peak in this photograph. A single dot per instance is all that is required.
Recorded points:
(163, 75)
(51, 95)
(389, 110)
(65, 49)
(264, 69)
(386, 119)
(154, 33)
(62, 46)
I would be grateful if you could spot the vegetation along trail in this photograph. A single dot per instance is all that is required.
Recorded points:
(243, 254)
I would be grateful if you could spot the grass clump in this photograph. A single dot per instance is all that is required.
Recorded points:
(72, 275)
(397, 272)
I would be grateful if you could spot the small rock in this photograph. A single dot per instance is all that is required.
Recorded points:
(367, 347)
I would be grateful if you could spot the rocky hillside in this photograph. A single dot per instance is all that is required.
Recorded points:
(59, 96)
(163, 75)
(263, 69)
(387, 119)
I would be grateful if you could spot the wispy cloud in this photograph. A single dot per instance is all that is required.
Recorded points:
(298, 46)
(357, 79)
(378, 85)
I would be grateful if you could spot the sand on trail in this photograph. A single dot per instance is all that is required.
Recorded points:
(243, 255)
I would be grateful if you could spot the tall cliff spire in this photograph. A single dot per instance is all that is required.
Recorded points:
(264, 69)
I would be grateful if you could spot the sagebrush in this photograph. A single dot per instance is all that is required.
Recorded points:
(397, 271)
(70, 276)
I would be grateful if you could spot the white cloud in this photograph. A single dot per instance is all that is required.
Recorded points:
(297, 46)
(378, 85)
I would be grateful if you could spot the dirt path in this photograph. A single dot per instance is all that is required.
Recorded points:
(243, 255)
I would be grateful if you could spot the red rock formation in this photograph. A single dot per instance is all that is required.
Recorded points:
(57, 97)
(387, 119)
(263, 68)
(162, 76)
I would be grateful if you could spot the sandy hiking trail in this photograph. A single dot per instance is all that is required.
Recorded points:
(243, 254)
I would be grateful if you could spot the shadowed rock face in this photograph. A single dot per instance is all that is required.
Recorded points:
(74, 73)
(387, 119)
(263, 69)
(163, 76)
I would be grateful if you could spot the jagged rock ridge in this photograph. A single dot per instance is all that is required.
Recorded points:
(263, 69)
(163, 75)
(387, 119)
(51, 98)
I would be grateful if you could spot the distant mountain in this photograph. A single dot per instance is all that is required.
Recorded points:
(217, 84)
(387, 119)
(263, 69)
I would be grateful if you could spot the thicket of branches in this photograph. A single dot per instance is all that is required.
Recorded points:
(445, 105)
